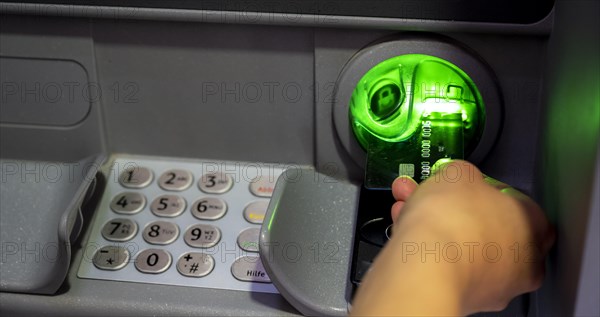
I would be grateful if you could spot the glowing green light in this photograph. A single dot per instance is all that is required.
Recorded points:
(391, 100)
(273, 213)
(412, 110)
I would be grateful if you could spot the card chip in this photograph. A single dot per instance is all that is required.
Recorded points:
(406, 170)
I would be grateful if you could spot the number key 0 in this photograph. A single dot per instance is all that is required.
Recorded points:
(153, 261)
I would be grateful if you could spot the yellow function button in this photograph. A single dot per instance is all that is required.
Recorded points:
(255, 211)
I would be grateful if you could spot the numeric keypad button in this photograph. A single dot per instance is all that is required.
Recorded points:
(136, 177)
(153, 261)
(209, 208)
(119, 230)
(160, 232)
(194, 264)
(128, 203)
(111, 258)
(215, 183)
(255, 211)
(202, 236)
(168, 206)
(175, 180)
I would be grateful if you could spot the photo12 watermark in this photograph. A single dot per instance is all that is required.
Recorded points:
(67, 92)
(469, 251)
(45, 172)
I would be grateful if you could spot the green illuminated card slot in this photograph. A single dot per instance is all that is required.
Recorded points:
(410, 111)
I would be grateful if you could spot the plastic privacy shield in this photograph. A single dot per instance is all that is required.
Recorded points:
(40, 210)
(409, 111)
(306, 240)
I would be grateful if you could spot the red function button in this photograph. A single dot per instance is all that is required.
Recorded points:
(263, 186)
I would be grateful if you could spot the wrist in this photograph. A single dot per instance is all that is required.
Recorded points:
(424, 257)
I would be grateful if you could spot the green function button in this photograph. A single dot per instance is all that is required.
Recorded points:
(411, 110)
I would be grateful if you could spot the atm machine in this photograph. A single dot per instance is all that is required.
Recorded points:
(234, 158)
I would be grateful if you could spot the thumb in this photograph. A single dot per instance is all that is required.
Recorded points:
(402, 189)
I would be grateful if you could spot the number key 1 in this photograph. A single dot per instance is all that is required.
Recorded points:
(136, 177)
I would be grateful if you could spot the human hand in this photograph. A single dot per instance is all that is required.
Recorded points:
(463, 241)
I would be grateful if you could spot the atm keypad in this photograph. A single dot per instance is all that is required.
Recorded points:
(163, 230)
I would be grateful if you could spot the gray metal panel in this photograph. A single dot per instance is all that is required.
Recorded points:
(587, 303)
(84, 297)
(40, 38)
(34, 92)
(518, 64)
(307, 238)
(271, 18)
(39, 204)
(570, 146)
(333, 49)
(212, 91)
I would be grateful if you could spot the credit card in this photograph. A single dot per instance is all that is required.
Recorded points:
(440, 135)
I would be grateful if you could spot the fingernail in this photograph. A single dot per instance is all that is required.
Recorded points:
(440, 164)
(406, 179)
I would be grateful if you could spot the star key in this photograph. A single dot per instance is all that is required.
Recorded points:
(111, 258)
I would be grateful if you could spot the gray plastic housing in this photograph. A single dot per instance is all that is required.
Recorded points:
(168, 54)
(307, 238)
(40, 205)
